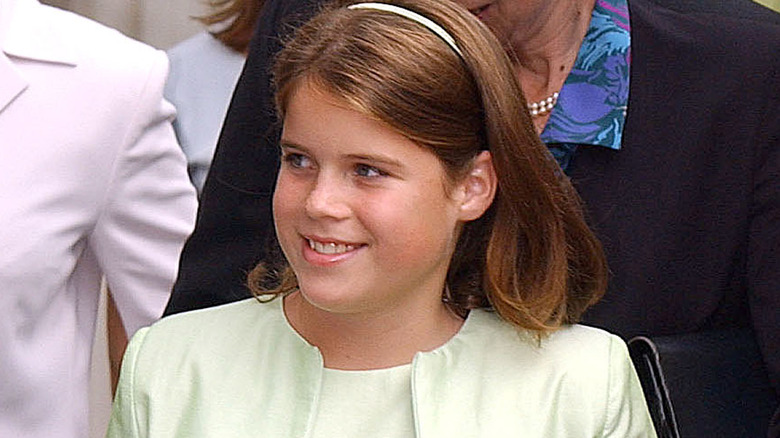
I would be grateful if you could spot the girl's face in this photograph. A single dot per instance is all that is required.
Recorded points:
(361, 211)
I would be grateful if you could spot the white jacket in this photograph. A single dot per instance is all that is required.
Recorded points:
(92, 183)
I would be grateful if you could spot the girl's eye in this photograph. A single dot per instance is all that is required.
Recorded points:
(297, 161)
(366, 171)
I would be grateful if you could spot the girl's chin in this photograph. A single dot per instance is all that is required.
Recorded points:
(321, 301)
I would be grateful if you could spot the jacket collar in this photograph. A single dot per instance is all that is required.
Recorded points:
(31, 31)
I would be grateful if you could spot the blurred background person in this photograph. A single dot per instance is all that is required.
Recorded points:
(204, 71)
(92, 185)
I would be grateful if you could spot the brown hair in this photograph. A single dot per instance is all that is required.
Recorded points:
(243, 14)
(531, 257)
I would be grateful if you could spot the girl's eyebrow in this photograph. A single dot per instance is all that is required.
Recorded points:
(377, 158)
(284, 144)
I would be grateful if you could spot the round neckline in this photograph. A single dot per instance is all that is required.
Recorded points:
(374, 371)
(462, 331)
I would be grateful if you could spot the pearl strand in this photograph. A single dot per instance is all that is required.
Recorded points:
(543, 106)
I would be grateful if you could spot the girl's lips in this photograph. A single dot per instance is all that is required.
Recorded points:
(325, 252)
(330, 247)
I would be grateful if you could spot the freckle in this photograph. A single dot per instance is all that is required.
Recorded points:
(562, 67)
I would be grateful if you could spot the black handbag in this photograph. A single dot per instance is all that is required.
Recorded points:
(706, 384)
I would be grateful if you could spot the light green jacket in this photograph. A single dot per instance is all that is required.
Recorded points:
(240, 370)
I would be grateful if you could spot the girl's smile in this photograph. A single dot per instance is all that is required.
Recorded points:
(323, 251)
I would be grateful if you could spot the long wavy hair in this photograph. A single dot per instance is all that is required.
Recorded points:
(531, 257)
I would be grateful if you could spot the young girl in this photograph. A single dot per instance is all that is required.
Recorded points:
(437, 261)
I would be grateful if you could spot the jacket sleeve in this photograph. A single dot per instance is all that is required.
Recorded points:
(627, 413)
(128, 416)
(149, 206)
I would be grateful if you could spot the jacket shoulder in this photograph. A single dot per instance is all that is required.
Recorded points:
(739, 33)
(94, 45)
(209, 324)
(572, 345)
(198, 349)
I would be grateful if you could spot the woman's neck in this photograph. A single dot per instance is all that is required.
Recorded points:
(371, 341)
(545, 55)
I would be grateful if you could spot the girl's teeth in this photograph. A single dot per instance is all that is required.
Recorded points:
(329, 248)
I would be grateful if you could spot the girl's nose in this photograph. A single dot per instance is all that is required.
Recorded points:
(327, 199)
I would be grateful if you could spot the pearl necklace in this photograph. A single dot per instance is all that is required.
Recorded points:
(544, 106)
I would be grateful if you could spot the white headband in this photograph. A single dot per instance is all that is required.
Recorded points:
(414, 16)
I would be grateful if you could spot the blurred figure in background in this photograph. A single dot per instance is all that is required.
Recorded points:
(92, 185)
(204, 71)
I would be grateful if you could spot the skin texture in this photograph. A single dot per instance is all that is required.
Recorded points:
(384, 206)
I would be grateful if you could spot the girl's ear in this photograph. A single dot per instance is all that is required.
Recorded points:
(478, 188)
